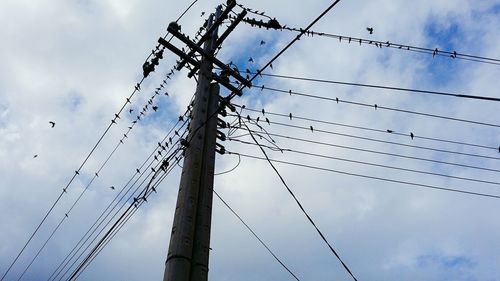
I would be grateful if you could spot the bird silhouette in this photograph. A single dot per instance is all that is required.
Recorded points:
(130, 111)
(290, 92)
(375, 106)
(128, 100)
(268, 122)
(137, 170)
(337, 99)
(263, 112)
(271, 65)
(290, 115)
(155, 108)
(370, 29)
(390, 131)
(76, 172)
(112, 187)
(52, 124)
(257, 120)
(262, 42)
(35, 156)
(312, 129)
(202, 14)
(262, 88)
(138, 87)
(250, 59)
(412, 135)
(434, 53)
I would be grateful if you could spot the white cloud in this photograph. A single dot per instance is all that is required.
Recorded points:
(76, 62)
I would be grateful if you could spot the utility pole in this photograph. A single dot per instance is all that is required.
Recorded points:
(187, 258)
(188, 252)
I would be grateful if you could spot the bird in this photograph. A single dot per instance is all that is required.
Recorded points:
(35, 156)
(138, 87)
(112, 187)
(389, 131)
(257, 120)
(263, 112)
(290, 92)
(262, 42)
(375, 106)
(181, 118)
(290, 115)
(337, 99)
(268, 122)
(411, 135)
(271, 65)
(370, 29)
(155, 108)
(96, 175)
(202, 14)
(137, 170)
(128, 100)
(130, 111)
(250, 59)
(76, 172)
(434, 53)
(52, 124)
(262, 88)
(311, 127)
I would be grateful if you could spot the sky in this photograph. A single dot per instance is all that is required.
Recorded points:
(76, 62)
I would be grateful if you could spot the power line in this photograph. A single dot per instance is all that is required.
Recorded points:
(416, 136)
(406, 47)
(376, 106)
(111, 232)
(301, 207)
(370, 163)
(369, 177)
(377, 152)
(92, 230)
(386, 142)
(270, 62)
(256, 236)
(383, 87)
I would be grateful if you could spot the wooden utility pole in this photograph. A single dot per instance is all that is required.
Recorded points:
(188, 252)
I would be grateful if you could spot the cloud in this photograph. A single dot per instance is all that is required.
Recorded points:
(76, 63)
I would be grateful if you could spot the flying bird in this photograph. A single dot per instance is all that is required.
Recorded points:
(250, 59)
(370, 29)
(35, 156)
(112, 187)
(262, 42)
(52, 124)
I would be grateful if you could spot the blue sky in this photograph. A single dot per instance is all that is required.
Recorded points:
(75, 62)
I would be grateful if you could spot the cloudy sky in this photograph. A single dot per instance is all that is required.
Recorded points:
(76, 62)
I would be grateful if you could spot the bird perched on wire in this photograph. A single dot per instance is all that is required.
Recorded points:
(370, 29)
(35, 156)
(52, 124)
